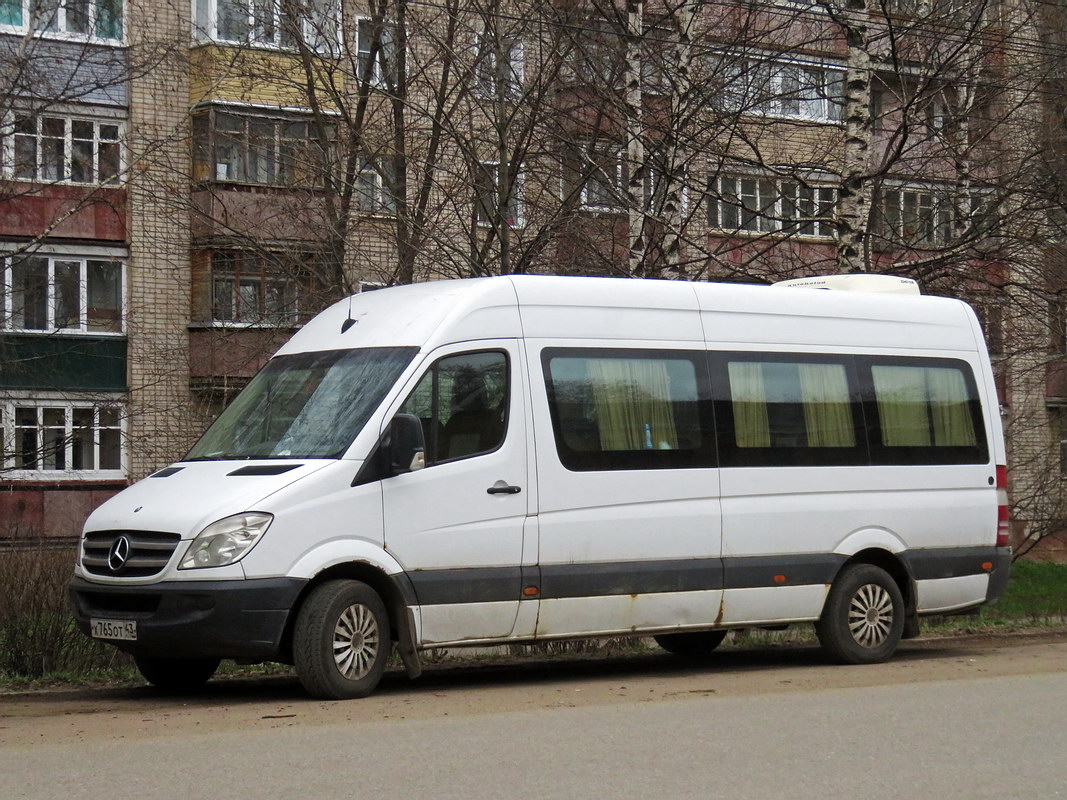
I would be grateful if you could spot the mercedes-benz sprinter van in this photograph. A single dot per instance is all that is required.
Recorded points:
(522, 459)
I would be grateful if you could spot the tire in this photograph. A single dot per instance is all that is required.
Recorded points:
(341, 641)
(177, 674)
(691, 644)
(863, 618)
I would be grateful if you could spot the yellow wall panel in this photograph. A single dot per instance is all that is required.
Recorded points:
(258, 76)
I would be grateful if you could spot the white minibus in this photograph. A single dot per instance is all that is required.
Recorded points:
(533, 458)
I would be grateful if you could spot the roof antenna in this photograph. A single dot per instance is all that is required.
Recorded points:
(349, 322)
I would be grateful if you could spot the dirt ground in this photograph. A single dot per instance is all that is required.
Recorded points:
(498, 685)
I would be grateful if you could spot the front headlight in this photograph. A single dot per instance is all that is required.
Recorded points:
(226, 541)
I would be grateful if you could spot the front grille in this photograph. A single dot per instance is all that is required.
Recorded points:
(148, 552)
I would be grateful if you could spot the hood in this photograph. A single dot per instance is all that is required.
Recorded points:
(187, 496)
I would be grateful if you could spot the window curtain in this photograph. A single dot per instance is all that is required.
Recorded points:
(749, 396)
(901, 393)
(827, 413)
(953, 425)
(632, 401)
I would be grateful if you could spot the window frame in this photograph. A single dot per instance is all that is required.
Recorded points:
(9, 402)
(904, 455)
(611, 158)
(9, 142)
(207, 160)
(383, 74)
(935, 224)
(770, 217)
(733, 455)
(382, 197)
(705, 456)
(92, 19)
(264, 277)
(207, 11)
(484, 211)
(486, 75)
(745, 76)
(432, 442)
(7, 301)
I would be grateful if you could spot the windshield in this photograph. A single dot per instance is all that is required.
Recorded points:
(306, 405)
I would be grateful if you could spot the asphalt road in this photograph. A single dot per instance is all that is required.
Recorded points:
(962, 719)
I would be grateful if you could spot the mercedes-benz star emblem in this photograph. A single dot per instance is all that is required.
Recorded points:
(119, 552)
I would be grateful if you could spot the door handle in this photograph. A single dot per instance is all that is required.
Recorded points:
(502, 488)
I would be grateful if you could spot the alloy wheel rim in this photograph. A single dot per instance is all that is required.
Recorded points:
(870, 615)
(355, 642)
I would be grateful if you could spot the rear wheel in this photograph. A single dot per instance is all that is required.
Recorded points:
(863, 618)
(177, 674)
(691, 644)
(341, 641)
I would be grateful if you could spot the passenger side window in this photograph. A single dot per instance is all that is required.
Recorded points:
(781, 411)
(927, 414)
(462, 401)
(629, 409)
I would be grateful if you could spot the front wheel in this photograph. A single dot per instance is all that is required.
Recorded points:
(863, 618)
(176, 674)
(341, 641)
(690, 644)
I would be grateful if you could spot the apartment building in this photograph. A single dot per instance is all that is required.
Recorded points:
(184, 185)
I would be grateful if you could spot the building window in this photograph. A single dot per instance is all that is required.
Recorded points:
(62, 293)
(598, 173)
(376, 186)
(769, 205)
(271, 23)
(596, 55)
(244, 148)
(655, 185)
(915, 217)
(491, 204)
(500, 66)
(377, 52)
(61, 439)
(260, 289)
(923, 8)
(93, 19)
(63, 150)
(780, 89)
(991, 319)
(1058, 417)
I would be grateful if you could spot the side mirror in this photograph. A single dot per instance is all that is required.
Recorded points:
(405, 445)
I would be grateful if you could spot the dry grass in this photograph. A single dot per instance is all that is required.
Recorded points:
(37, 632)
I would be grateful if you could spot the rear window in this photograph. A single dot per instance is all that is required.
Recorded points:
(925, 413)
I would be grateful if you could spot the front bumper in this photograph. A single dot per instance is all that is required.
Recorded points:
(214, 619)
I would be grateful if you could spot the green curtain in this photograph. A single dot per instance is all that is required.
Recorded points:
(827, 412)
(953, 425)
(749, 398)
(901, 395)
(633, 404)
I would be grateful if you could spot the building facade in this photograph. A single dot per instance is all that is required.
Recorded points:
(183, 185)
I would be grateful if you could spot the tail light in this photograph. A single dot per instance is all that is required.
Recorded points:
(1003, 515)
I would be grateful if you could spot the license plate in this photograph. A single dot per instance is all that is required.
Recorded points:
(114, 629)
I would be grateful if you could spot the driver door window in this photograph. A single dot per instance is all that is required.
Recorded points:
(462, 402)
